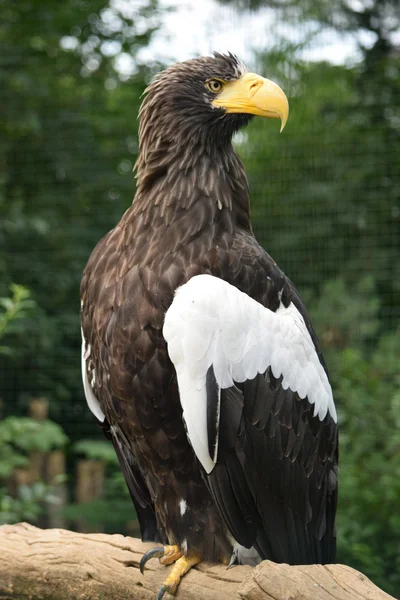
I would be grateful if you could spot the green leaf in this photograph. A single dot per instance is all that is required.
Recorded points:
(97, 450)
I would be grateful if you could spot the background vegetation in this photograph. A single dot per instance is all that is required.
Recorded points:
(325, 203)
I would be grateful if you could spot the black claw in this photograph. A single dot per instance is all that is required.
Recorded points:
(161, 592)
(153, 553)
(233, 562)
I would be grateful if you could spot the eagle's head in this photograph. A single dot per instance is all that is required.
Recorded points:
(202, 102)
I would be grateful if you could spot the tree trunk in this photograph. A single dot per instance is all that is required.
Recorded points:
(56, 564)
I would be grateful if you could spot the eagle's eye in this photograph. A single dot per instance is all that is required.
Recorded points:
(214, 85)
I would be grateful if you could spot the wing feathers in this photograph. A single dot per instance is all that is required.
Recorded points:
(260, 416)
(211, 322)
(91, 399)
(213, 412)
(137, 487)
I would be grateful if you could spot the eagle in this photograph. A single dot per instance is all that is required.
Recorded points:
(198, 357)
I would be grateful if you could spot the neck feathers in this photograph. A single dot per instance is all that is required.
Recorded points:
(174, 179)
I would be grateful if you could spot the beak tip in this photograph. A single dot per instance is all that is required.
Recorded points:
(283, 123)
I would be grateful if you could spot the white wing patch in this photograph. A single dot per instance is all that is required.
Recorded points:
(210, 322)
(91, 399)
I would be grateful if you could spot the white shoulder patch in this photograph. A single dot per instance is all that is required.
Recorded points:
(210, 322)
(91, 399)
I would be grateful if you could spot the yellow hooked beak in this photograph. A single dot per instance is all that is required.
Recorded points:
(254, 95)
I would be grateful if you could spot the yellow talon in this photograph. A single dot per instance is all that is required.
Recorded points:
(180, 568)
(171, 554)
(165, 554)
(168, 555)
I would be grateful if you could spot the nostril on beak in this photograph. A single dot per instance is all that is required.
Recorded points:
(254, 87)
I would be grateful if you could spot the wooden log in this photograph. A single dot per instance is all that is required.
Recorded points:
(56, 564)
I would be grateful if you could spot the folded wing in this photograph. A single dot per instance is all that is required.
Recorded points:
(260, 416)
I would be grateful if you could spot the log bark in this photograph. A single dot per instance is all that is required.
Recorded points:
(56, 564)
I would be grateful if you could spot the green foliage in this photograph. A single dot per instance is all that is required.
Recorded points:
(69, 141)
(18, 437)
(21, 435)
(27, 505)
(343, 315)
(368, 392)
(365, 378)
(323, 201)
(26, 434)
(97, 450)
(13, 310)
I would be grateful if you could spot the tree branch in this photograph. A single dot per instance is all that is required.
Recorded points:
(56, 564)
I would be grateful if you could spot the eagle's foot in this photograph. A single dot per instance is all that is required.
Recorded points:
(180, 568)
(171, 555)
(166, 554)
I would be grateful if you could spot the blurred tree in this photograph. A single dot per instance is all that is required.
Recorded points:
(368, 390)
(325, 194)
(336, 168)
(69, 141)
(14, 310)
(21, 435)
(366, 384)
(380, 17)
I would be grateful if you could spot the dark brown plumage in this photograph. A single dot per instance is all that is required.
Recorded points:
(274, 485)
